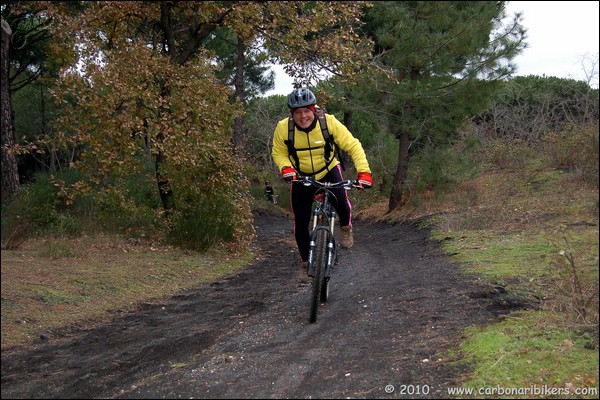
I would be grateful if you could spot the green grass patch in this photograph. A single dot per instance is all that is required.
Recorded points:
(56, 250)
(500, 255)
(50, 295)
(531, 350)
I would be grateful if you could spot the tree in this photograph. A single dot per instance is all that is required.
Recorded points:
(29, 44)
(263, 115)
(244, 68)
(439, 63)
(32, 69)
(10, 175)
(528, 107)
(589, 66)
(142, 89)
(231, 51)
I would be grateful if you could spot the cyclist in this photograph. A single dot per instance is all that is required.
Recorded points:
(269, 192)
(312, 158)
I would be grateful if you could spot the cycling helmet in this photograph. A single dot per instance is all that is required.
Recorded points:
(301, 98)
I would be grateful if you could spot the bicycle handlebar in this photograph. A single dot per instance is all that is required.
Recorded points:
(347, 184)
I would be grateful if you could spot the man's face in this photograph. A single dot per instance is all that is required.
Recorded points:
(303, 117)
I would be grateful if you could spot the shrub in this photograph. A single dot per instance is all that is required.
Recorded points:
(201, 227)
(115, 210)
(434, 170)
(33, 210)
(575, 148)
(508, 153)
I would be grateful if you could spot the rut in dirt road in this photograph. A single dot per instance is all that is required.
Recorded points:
(396, 306)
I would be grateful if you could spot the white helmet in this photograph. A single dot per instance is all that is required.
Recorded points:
(301, 98)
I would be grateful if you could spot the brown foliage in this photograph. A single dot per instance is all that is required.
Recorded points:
(140, 94)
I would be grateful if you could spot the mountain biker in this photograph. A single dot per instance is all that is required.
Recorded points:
(313, 160)
(269, 192)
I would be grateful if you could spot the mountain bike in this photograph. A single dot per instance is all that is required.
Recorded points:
(323, 248)
(270, 195)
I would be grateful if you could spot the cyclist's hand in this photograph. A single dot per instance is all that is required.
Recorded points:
(365, 180)
(288, 174)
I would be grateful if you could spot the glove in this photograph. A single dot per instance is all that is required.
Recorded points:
(288, 174)
(365, 180)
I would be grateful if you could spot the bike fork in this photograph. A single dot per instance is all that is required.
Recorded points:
(313, 244)
(331, 247)
(311, 251)
(331, 257)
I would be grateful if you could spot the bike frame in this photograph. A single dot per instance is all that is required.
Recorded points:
(323, 249)
(324, 217)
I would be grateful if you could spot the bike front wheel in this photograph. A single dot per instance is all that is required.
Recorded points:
(320, 263)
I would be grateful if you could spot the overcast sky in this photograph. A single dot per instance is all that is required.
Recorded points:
(560, 34)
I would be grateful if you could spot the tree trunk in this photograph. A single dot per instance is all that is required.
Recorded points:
(401, 172)
(348, 119)
(164, 187)
(348, 123)
(10, 173)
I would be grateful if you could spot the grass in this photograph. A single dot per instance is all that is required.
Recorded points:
(516, 353)
(533, 231)
(500, 255)
(48, 284)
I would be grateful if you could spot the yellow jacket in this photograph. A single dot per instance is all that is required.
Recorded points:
(311, 145)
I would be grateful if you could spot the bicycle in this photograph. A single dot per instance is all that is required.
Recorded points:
(270, 195)
(323, 248)
(271, 198)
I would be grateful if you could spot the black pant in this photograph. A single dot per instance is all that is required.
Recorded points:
(302, 200)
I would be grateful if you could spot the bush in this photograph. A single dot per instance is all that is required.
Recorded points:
(35, 202)
(508, 153)
(115, 210)
(32, 211)
(575, 148)
(203, 226)
(440, 168)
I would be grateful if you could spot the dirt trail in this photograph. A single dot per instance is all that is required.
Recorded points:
(397, 305)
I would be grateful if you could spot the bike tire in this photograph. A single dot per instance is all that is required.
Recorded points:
(320, 263)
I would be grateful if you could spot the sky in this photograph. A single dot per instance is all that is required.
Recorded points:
(560, 34)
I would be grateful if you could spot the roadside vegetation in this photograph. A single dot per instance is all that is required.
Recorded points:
(140, 146)
(529, 230)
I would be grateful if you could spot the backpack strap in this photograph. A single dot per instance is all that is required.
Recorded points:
(290, 144)
(329, 140)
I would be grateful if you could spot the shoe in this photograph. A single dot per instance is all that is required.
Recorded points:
(304, 278)
(347, 239)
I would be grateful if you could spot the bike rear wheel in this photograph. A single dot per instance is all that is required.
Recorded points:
(320, 263)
